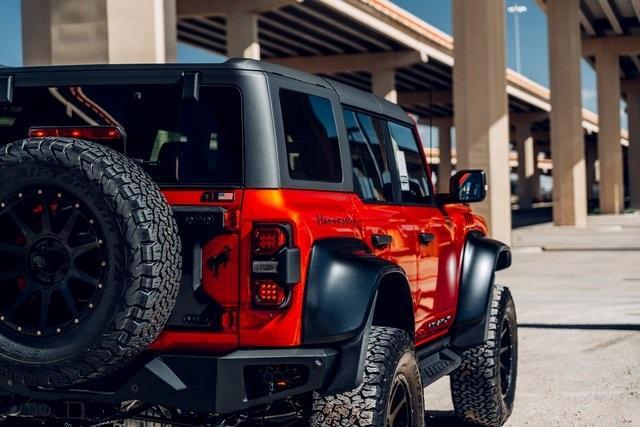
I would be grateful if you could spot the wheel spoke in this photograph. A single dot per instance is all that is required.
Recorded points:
(24, 228)
(68, 227)
(68, 298)
(46, 217)
(44, 307)
(14, 273)
(399, 406)
(83, 249)
(83, 277)
(22, 298)
(15, 250)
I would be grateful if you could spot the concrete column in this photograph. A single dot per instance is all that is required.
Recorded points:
(591, 154)
(567, 145)
(98, 31)
(242, 35)
(444, 168)
(480, 104)
(526, 165)
(383, 84)
(609, 148)
(633, 153)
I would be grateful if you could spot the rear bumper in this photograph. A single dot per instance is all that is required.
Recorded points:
(224, 384)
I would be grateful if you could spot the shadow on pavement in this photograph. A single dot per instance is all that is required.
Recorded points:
(443, 419)
(616, 327)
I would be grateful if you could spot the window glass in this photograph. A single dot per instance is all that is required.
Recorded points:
(371, 176)
(413, 177)
(311, 137)
(176, 141)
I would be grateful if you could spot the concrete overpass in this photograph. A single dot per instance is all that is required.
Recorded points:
(377, 46)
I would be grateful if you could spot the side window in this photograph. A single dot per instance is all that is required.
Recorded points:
(413, 176)
(371, 175)
(311, 137)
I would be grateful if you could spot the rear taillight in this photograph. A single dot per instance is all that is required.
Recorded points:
(91, 133)
(268, 239)
(275, 265)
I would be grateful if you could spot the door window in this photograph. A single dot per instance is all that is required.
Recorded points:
(414, 182)
(371, 176)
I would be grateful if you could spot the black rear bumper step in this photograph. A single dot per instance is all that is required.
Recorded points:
(209, 384)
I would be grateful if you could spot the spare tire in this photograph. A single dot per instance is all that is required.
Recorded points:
(89, 261)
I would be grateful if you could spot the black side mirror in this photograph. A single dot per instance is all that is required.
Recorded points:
(466, 186)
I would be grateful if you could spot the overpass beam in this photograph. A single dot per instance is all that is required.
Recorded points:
(100, 31)
(633, 111)
(346, 63)
(480, 104)
(444, 148)
(567, 143)
(609, 148)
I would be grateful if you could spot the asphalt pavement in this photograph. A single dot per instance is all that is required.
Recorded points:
(577, 295)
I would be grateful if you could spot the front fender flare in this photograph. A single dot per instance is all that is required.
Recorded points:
(482, 257)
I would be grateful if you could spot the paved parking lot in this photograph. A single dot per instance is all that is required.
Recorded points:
(577, 293)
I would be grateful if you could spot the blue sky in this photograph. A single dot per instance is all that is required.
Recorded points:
(533, 35)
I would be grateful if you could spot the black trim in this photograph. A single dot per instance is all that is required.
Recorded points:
(482, 257)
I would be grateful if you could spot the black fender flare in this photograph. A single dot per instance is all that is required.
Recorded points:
(481, 258)
(340, 297)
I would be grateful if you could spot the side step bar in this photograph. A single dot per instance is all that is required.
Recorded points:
(436, 360)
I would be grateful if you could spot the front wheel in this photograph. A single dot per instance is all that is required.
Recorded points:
(483, 387)
(390, 394)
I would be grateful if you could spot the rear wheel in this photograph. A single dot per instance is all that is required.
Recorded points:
(89, 261)
(391, 393)
(483, 387)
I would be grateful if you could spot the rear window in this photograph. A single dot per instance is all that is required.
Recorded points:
(311, 137)
(177, 141)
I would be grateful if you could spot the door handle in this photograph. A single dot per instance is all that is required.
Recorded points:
(426, 238)
(381, 240)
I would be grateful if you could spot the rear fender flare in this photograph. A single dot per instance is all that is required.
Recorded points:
(340, 299)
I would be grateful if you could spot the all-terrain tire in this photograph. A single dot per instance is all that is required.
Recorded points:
(390, 356)
(481, 393)
(141, 268)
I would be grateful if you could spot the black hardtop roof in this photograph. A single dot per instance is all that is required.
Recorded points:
(348, 95)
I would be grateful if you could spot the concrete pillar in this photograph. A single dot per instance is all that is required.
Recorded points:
(526, 165)
(633, 153)
(242, 35)
(98, 31)
(444, 148)
(567, 145)
(591, 154)
(383, 84)
(609, 148)
(480, 104)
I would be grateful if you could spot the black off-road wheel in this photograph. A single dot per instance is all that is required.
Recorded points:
(89, 261)
(391, 393)
(484, 386)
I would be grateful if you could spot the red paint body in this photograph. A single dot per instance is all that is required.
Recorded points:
(433, 271)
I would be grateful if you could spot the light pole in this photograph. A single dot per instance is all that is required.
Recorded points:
(516, 9)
